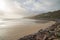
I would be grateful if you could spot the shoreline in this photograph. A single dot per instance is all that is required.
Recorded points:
(17, 32)
(50, 33)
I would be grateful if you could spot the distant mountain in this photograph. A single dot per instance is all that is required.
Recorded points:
(51, 15)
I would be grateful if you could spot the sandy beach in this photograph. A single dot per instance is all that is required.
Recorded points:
(18, 31)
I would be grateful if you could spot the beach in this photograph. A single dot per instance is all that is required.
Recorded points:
(14, 32)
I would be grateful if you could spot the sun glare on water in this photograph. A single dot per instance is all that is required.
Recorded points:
(6, 12)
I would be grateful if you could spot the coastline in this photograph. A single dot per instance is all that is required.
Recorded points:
(17, 32)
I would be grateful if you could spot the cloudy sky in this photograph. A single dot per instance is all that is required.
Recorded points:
(20, 8)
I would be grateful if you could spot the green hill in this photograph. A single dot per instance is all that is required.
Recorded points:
(51, 15)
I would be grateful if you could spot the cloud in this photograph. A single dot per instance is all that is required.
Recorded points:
(41, 5)
(12, 9)
(17, 8)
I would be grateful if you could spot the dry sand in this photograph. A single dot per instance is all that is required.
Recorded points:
(17, 32)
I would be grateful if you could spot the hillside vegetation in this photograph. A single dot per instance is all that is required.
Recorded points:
(52, 15)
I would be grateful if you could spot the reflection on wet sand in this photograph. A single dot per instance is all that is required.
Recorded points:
(14, 29)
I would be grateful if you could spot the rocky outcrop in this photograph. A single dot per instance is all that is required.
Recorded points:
(51, 33)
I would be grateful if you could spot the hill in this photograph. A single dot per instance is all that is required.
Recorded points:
(49, 15)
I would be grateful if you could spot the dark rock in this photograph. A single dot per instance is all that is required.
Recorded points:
(51, 33)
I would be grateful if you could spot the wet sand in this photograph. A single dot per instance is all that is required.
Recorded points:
(16, 32)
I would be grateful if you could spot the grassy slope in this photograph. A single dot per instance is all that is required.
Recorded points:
(54, 15)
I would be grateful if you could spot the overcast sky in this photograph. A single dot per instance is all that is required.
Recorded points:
(27, 7)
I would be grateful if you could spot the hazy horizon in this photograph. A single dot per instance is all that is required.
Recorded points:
(22, 8)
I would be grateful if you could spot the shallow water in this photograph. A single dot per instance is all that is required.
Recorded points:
(12, 22)
(13, 29)
(6, 23)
